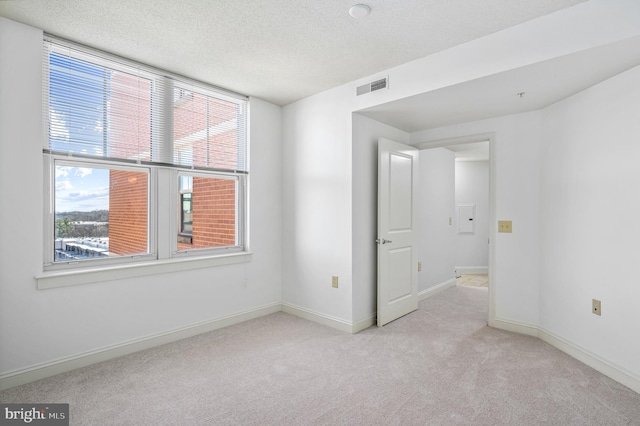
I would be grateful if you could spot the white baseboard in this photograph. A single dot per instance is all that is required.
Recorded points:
(31, 374)
(472, 270)
(363, 324)
(514, 326)
(323, 319)
(424, 294)
(27, 375)
(608, 368)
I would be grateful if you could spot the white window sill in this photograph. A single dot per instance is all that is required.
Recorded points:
(130, 270)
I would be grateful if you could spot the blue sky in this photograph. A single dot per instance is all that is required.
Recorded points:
(76, 115)
(81, 189)
(77, 105)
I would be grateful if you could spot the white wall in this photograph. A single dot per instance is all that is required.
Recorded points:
(516, 155)
(318, 172)
(436, 246)
(365, 205)
(43, 326)
(563, 175)
(317, 205)
(589, 219)
(472, 187)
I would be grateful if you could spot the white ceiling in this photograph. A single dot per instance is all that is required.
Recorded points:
(542, 84)
(277, 50)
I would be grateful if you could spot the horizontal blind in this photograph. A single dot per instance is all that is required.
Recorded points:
(208, 130)
(99, 105)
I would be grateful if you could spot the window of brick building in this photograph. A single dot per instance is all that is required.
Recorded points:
(209, 212)
(126, 141)
(185, 210)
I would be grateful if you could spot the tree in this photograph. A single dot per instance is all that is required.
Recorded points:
(64, 227)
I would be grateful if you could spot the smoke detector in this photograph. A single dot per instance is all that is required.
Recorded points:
(359, 11)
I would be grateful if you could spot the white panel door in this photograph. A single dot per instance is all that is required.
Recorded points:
(397, 262)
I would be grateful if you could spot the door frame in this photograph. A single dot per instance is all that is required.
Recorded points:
(479, 137)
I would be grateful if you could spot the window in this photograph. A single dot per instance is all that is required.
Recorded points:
(126, 141)
(100, 212)
(186, 210)
(209, 212)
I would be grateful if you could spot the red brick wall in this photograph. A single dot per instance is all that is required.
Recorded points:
(128, 212)
(130, 130)
(213, 199)
(214, 213)
(197, 113)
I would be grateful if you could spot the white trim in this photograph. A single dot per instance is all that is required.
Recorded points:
(481, 137)
(122, 271)
(493, 182)
(472, 269)
(432, 291)
(515, 327)
(608, 368)
(363, 324)
(319, 318)
(41, 371)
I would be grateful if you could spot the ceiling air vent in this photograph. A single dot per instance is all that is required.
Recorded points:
(372, 87)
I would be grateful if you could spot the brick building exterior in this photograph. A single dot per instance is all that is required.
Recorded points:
(205, 135)
(214, 214)
(128, 212)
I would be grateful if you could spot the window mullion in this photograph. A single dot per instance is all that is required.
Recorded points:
(166, 228)
(162, 152)
(162, 122)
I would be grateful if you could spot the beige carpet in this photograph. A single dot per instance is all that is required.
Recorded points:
(440, 365)
(473, 280)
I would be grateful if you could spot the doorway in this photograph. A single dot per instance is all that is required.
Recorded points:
(456, 214)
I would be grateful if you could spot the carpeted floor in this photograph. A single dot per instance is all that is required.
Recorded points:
(440, 365)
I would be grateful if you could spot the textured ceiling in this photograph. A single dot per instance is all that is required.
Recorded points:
(277, 50)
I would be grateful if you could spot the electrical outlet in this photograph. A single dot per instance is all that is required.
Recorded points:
(504, 226)
(334, 281)
(419, 266)
(596, 307)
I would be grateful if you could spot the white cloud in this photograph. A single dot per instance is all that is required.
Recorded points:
(82, 172)
(87, 195)
(98, 127)
(58, 126)
(62, 171)
(63, 185)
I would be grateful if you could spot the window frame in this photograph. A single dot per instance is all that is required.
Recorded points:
(163, 254)
(50, 163)
(241, 214)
